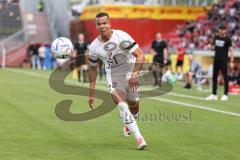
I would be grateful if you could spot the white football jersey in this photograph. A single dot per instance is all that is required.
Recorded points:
(116, 53)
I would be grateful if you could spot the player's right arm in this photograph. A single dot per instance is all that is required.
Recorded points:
(92, 75)
(92, 83)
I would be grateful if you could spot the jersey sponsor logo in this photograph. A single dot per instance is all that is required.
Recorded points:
(125, 44)
(110, 46)
(219, 43)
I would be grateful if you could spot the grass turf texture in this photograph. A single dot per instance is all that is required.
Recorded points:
(31, 131)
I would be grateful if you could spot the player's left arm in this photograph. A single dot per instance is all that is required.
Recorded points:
(134, 49)
(138, 66)
(138, 53)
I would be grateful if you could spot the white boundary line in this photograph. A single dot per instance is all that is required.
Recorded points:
(185, 96)
(195, 106)
(154, 98)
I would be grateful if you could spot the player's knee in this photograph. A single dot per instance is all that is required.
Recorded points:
(117, 95)
(123, 106)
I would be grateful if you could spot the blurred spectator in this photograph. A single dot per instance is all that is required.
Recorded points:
(48, 57)
(194, 71)
(42, 53)
(160, 51)
(234, 76)
(180, 57)
(33, 52)
(199, 33)
(81, 48)
(222, 45)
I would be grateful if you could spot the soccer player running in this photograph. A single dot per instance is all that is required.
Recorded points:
(123, 61)
(221, 45)
(159, 49)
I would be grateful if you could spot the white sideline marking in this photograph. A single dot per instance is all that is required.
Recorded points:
(185, 96)
(181, 95)
(20, 82)
(195, 106)
(154, 98)
(28, 73)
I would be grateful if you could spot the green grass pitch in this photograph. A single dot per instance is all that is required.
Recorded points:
(30, 130)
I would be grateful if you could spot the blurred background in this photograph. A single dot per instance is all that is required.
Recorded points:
(29, 26)
(180, 124)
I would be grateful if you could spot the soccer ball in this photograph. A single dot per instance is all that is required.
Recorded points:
(62, 48)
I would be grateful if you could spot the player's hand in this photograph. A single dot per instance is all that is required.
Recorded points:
(231, 65)
(91, 102)
(133, 83)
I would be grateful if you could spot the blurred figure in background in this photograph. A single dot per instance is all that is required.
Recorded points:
(48, 57)
(180, 59)
(160, 59)
(222, 44)
(194, 71)
(234, 76)
(33, 51)
(42, 53)
(200, 33)
(81, 47)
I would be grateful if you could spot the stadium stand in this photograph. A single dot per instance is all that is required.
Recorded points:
(19, 28)
(10, 18)
(197, 34)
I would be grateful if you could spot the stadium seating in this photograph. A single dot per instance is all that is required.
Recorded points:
(197, 34)
(10, 18)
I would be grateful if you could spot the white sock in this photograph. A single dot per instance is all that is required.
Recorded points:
(135, 116)
(134, 129)
(128, 119)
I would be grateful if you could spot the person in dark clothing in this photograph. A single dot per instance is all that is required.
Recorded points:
(159, 49)
(180, 59)
(33, 51)
(81, 48)
(222, 44)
